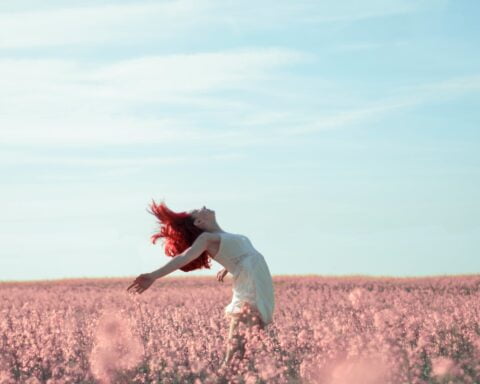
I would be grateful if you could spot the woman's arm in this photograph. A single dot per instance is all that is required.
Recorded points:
(198, 247)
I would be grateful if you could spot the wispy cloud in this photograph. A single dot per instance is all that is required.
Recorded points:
(100, 24)
(57, 102)
(60, 101)
(161, 76)
(159, 21)
(17, 157)
(401, 98)
(368, 46)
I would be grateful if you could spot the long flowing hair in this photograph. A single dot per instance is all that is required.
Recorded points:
(179, 233)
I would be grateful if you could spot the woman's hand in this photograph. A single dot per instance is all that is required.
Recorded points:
(221, 274)
(142, 283)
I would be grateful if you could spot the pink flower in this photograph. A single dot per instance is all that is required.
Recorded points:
(303, 336)
(364, 370)
(116, 347)
(442, 366)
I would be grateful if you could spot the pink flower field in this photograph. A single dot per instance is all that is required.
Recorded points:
(350, 330)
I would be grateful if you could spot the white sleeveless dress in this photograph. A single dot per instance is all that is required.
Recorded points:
(252, 281)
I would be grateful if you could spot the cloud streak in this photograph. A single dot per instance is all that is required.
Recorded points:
(409, 97)
(128, 23)
(64, 102)
(99, 24)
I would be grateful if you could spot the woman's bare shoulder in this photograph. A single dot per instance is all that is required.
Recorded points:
(213, 237)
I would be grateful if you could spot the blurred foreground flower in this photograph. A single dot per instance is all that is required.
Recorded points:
(442, 366)
(116, 348)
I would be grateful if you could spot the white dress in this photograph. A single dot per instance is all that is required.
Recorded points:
(252, 281)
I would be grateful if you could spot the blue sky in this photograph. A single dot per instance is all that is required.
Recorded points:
(340, 137)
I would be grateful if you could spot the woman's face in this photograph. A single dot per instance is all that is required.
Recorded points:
(202, 216)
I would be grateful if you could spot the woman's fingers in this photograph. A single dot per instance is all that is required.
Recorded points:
(131, 286)
(137, 289)
(136, 286)
(141, 283)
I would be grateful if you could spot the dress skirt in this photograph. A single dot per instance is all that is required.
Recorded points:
(252, 283)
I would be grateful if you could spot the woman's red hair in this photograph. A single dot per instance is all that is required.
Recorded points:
(179, 233)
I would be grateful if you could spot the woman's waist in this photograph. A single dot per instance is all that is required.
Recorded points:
(232, 262)
(246, 261)
(247, 255)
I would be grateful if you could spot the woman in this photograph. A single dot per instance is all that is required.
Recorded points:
(192, 239)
